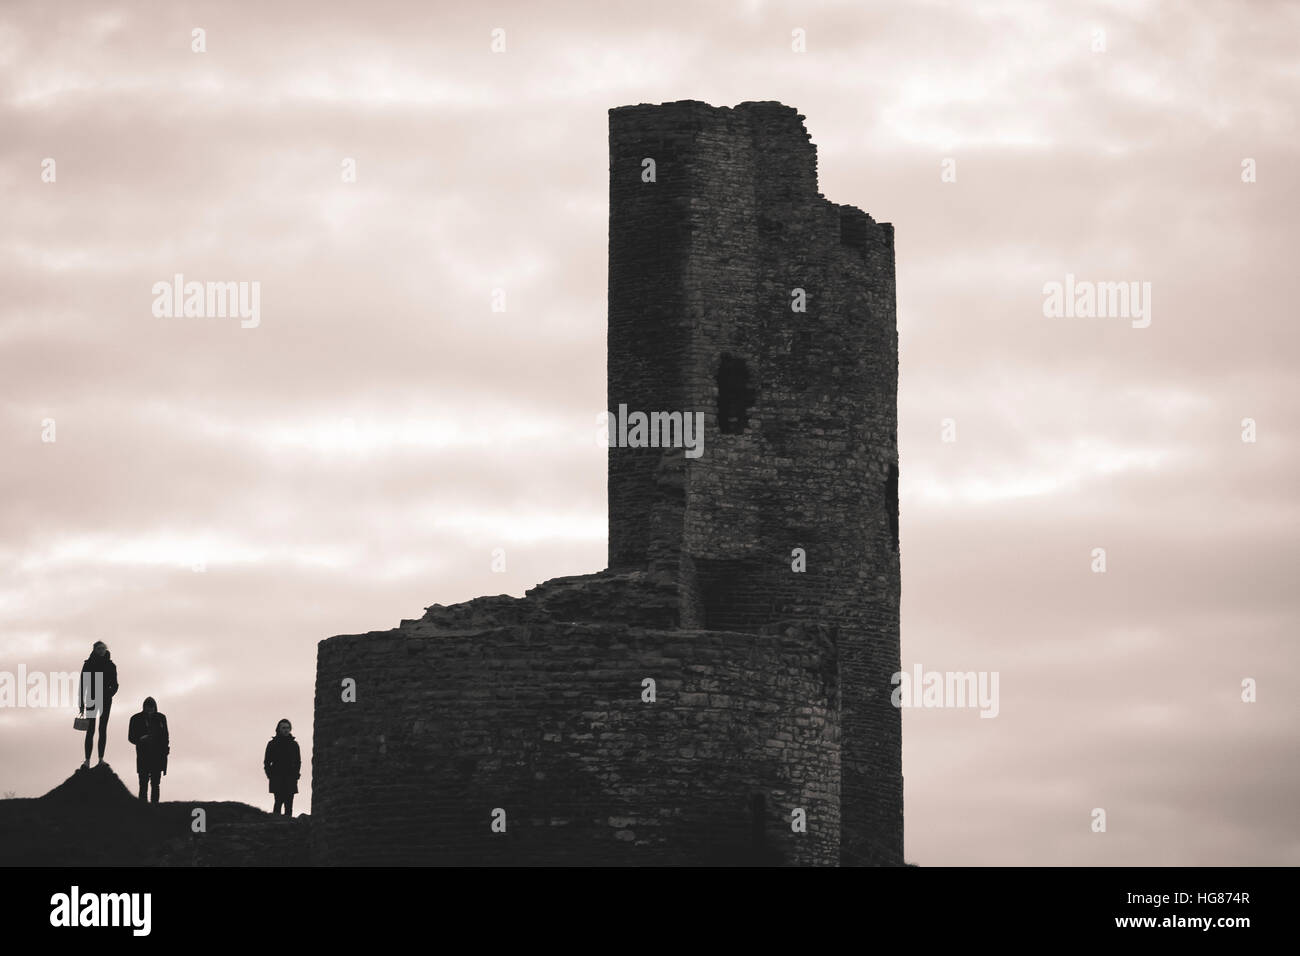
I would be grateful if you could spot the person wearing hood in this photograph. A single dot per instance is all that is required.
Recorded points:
(282, 764)
(148, 731)
(98, 685)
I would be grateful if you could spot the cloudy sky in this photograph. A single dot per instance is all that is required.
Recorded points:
(359, 454)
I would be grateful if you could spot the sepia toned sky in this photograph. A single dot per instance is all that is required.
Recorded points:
(360, 453)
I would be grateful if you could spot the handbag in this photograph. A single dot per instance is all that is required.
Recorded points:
(81, 723)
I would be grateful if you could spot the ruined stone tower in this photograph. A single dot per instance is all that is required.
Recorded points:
(706, 268)
(756, 584)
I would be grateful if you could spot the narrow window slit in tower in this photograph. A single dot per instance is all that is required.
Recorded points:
(891, 502)
(734, 395)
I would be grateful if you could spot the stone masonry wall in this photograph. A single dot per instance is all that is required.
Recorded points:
(464, 712)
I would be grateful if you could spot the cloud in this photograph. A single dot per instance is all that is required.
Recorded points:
(359, 455)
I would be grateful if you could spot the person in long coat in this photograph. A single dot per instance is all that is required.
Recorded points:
(283, 763)
(148, 731)
(98, 685)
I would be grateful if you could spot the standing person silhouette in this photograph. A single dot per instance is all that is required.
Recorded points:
(98, 685)
(148, 731)
(282, 764)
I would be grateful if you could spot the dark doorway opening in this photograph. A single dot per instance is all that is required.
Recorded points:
(757, 822)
